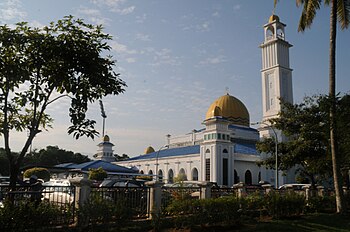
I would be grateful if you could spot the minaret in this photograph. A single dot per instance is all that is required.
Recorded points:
(276, 73)
(105, 151)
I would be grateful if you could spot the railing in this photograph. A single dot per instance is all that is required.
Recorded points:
(136, 199)
(170, 193)
(61, 198)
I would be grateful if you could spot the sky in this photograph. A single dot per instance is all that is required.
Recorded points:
(177, 57)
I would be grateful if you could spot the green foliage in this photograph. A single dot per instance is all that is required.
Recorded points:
(39, 66)
(320, 204)
(41, 173)
(307, 126)
(209, 212)
(54, 155)
(97, 174)
(103, 210)
(26, 216)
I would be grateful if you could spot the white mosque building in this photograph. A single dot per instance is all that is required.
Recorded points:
(224, 150)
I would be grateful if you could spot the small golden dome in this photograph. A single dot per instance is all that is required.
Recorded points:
(273, 18)
(105, 138)
(231, 108)
(149, 150)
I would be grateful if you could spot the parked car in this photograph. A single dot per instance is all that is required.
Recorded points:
(122, 183)
(293, 186)
(58, 191)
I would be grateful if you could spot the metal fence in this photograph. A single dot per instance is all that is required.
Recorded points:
(136, 199)
(179, 193)
(61, 198)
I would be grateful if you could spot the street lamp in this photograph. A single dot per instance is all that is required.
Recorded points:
(276, 149)
(157, 157)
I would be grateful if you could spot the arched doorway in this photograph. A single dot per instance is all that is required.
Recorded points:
(160, 175)
(170, 176)
(182, 175)
(236, 177)
(248, 177)
(150, 172)
(194, 174)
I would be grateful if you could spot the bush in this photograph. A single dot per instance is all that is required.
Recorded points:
(206, 212)
(320, 204)
(97, 174)
(41, 173)
(290, 204)
(26, 215)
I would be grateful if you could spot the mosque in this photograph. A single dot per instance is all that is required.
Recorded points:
(224, 150)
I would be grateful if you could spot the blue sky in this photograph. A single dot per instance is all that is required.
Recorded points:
(177, 57)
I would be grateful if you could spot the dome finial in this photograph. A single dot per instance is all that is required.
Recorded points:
(226, 90)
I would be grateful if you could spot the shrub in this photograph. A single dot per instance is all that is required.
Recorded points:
(289, 204)
(41, 173)
(97, 174)
(26, 215)
(320, 204)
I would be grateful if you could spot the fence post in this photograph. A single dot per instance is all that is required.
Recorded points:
(241, 190)
(82, 195)
(205, 190)
(320, 191)
(155, 198)
(267, 188)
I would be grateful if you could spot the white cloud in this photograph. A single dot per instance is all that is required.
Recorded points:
(121, 48)
(143, 37)
(12, 9)
(164, 56)
(141, 18)
(130, 60)
(213, 60)
(93, 15)
(216, 14)
(115, 6)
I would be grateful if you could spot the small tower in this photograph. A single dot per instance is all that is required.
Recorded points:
(276, 73)
(105, 151)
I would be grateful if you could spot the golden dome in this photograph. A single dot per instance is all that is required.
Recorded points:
(231, 108)
(149, 150)
(273, 18)
(105, 138)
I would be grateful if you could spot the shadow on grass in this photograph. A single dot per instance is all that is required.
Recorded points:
(316, 222)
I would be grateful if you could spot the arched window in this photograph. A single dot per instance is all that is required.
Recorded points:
(170, 176)
(194, 174)
(141, 172)
(182, 174)
(259, 177)
(248, 177)
(225, 151)
(150, 172)
(236, 177)
(207, 151)
(160, 175)
(269, 33)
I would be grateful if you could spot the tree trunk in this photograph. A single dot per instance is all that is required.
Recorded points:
(332, 110)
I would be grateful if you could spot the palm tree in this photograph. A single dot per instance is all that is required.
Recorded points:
(340, 11)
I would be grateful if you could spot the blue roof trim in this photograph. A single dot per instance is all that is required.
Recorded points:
(242, 128)
(107, 166)
(245, 148)
(169, 153)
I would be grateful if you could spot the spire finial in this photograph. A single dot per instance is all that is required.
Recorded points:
(226, 90)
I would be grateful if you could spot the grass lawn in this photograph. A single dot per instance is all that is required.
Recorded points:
(316, 222)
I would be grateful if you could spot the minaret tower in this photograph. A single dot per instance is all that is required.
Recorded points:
(276, 73)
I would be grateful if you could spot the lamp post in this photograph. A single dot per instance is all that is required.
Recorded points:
(276, 149)
(157, 157)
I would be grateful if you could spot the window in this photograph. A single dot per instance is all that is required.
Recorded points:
(205, 137)
(207, 169)
(248, 177)
(170, 176)
(194, 174)
(225, 171)
(160, 175)
(236, 177)
(223, 136)
(219, 136)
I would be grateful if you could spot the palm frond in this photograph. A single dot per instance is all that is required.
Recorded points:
(308, 13)
(343, 12)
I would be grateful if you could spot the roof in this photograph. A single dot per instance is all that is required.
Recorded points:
(107, 166)
(169, 153)
(231, 126)
(245, 148)
(242, 148)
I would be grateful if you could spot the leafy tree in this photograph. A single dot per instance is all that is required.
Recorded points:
(121, 157)
(52, 156)
(97, 174)
(39, 66)
(307, 127)
(41, 173)
(340, 11)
